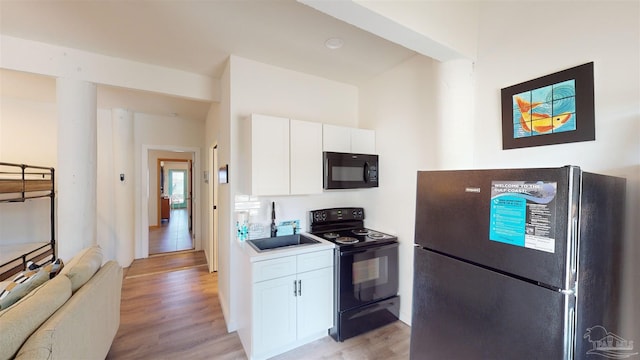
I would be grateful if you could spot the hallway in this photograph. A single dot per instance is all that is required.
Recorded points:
(172, 235)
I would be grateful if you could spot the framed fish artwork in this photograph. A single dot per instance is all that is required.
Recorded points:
(553, 109)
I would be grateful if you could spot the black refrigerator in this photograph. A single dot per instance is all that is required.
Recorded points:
(518, 264)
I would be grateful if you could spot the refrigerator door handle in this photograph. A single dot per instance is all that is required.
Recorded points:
(574, 245)
(567, 291)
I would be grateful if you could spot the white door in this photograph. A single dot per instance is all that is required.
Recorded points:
(305, 153)
(269, 155)
(213, 210)
(363, 141)
(274, 309)
(315, 303)
(336, 138)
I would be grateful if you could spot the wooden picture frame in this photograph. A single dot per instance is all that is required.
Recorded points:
(553, 109)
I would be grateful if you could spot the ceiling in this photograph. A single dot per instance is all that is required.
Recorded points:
(199, 36)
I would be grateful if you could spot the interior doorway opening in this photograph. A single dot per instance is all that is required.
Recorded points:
(173, 228)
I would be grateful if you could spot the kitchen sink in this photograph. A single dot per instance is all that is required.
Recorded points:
(279, 242)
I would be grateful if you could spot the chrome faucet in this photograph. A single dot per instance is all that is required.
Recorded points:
(274, 229)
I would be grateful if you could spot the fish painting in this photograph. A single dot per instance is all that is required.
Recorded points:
(540, 123)
(545, 110)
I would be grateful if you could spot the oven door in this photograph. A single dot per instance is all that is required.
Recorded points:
(367, 275)
(350, 171)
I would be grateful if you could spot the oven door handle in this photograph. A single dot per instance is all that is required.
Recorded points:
(367, 249)
(381, 305)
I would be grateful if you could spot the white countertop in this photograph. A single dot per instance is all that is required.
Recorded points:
(254, 255)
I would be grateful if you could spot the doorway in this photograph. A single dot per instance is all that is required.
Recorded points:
(178, 188)
(173, 229)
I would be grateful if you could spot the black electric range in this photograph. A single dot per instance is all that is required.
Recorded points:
(356, 237)
(366, 271)
(345, 228)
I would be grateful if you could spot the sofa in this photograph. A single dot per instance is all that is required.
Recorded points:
(74, 315)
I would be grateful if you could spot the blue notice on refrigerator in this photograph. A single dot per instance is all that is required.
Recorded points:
(523, 214)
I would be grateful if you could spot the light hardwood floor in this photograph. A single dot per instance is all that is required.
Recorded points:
(171, 235)
(170, 310)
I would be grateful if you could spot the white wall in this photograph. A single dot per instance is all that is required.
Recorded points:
(27, 136)
(607, 33)
(106, 210)
(401, 106)
(219, 132)
(29, 129)
(167, 133)
(57, 61)
(261, 88)
(211, 140)
(28, 132)
(270, 90)
(450, 23)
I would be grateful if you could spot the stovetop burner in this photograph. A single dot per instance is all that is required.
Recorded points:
(376, 235)
(331, 235)
(345, 228)
(346, 240)
(356, 237)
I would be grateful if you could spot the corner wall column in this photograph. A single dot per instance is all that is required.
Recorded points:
(77, 169)
(124, 195)
(456, 113)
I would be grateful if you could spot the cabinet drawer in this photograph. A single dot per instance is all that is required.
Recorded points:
(315, 260)
(275, 268)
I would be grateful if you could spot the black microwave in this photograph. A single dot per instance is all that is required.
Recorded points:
(350, 171)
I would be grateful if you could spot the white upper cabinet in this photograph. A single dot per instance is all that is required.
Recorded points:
(344, 139)
(286, 156)
(336, 138)
(363, 141)
(305, 154)
(269, 155)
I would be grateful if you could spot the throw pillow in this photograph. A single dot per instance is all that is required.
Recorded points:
(21, 285)
(54, 268)
(23, 318)
(24, 282)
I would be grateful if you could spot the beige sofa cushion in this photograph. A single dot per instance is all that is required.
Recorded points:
(85, 326)
(83, 266)
(19, 321)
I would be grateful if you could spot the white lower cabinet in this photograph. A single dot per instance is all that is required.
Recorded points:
(292, 302)
(275, 316)
(314, 308)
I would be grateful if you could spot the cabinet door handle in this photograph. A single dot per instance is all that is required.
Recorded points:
(295, 288)
(299, 287)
